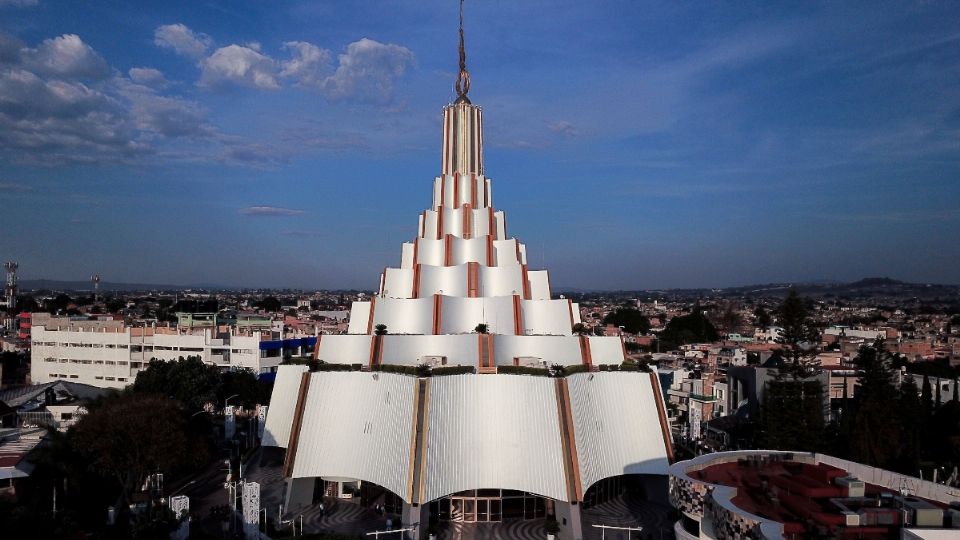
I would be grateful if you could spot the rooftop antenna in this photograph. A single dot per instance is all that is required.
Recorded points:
(96, 287)
(10, 288)
(463, 78)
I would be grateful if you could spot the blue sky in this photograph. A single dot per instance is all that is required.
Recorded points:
(632, 144)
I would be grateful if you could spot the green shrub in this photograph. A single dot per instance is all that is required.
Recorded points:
(576, 368)
(402, 370)
(523, 370)
(452, 370)
(338, 367)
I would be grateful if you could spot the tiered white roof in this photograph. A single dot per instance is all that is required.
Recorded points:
(463, 269)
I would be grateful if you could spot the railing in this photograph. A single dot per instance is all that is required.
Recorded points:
(36, 418)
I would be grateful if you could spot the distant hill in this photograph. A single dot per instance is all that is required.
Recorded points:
(863, 288)
(65, 285)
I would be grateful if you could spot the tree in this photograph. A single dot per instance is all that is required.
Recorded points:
(910, 414)
(876, 421)
(630, 319)
(188, 381)
(130, 436)
(926, 395)
(270, 304)
(380, 329)
(799, 338)
(481, 328)
(727, 317)
(792, 415)
(581, 329)
(762, 318)
(26, 304)
(692, 328)
(58, 303)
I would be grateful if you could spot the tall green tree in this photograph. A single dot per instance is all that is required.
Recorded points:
(876, 421)
(794, 403)
(926, 395)
(800, 338)
(909, 413)
(762, 318)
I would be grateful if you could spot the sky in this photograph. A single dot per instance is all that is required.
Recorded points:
(632, 145)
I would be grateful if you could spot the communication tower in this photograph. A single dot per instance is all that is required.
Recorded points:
(10, 288)
(96, 287)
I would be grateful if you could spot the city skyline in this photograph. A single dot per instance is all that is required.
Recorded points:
(266, 146)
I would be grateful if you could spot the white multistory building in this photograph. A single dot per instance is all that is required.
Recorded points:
(109, 353)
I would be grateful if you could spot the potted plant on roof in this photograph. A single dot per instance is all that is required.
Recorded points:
(552, 527)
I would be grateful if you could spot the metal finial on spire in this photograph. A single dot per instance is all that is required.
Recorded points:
(463, 78)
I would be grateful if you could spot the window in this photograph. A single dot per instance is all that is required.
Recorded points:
(98, 377)
(110, 378)
(74, 376)
(122, 379)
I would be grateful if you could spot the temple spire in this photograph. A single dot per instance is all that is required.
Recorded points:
(463, 78)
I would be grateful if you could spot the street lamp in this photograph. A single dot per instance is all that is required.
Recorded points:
(227, 401)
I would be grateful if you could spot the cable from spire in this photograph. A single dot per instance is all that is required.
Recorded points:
(463, 78)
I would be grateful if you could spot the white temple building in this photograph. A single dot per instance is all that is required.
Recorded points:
(481, 446)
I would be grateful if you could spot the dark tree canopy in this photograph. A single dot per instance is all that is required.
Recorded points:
(130, 436)
(692, 328)
(270, 304)
(630, 319)
(762, 317)
(188, 380)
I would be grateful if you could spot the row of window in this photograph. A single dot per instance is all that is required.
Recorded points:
(99, 377)
(80, 345)
(133, 365)
(136, 348)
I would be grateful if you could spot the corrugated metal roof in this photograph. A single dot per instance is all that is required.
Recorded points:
(357, 425)
(276, 432)
(616, 425)
(493, 431)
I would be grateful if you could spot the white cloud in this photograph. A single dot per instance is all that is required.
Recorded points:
(51, 121)
(257, 211)
(148, 77)
(366, 71)
(66, 56)
(310, 65)
(239, 65)
(182, 40)
(562, 127)
(54, 109)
